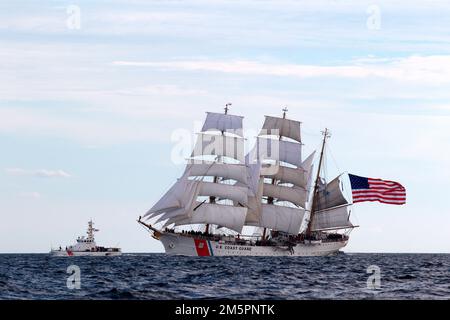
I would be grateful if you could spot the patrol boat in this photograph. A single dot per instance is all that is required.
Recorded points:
(86, 246)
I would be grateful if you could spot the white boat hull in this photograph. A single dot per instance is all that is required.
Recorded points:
(176, 244)
(86, 247)
(62, 253)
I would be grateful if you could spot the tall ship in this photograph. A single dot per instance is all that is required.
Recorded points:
(86, 246)
(267, 202)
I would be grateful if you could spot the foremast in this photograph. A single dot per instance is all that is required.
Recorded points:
(213, 190)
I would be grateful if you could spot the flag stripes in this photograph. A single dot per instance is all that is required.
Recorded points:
(383, 191)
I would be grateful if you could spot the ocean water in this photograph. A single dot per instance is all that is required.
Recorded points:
(158, 276)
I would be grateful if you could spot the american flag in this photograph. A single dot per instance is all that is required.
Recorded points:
(368, 189)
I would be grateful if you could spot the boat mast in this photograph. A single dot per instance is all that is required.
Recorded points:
(226, 107)
(212, 199)
(326, 134)
(284, 112)
(91, 230)
(270, 199)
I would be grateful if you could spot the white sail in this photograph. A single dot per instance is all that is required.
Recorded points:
(281, 218)
(223, 123)
(330, 196)
(278, 150)
(254, 192)
(236, 172)
(170, 200)
(172, 214)
(255, 206)
(308, 165)
(219, 145)
(224, 191)
(285, 128)
(226, 216)
(173, 220)
(297, 176)
(253, 178)
(180, 195)
(292, 194)
(336, 218)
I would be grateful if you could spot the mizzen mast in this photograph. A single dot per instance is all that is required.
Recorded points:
(326, 134)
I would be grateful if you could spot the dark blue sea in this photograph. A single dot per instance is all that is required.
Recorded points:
(158, 276)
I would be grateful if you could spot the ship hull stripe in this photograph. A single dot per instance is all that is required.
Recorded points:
(201, 247)
(210, 248)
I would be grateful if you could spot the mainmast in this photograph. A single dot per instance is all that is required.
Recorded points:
(326, 134)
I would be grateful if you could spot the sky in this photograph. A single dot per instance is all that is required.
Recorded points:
(94, 96)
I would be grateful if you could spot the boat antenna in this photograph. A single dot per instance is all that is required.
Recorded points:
(285, 109)
(227, 107)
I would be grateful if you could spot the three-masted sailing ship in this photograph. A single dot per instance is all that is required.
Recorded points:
(268, 202)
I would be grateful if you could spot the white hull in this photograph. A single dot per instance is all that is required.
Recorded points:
(176, 244)
(62, 253)
(86, 247)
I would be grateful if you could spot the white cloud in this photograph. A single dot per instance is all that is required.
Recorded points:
(52, 173)
(170, 90)
(445, 107)
(432, 70)
(42, 173)
(82, 128)
(32, 195)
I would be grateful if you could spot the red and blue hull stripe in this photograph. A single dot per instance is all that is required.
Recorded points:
(203, 248)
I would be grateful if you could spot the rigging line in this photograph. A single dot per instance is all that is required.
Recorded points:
(312, 184)
(307, 148)
(347, 191)
(325, 166)
(199, 205)
(334, 159)
(211, 165)
(310, 133)
(148, 230)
